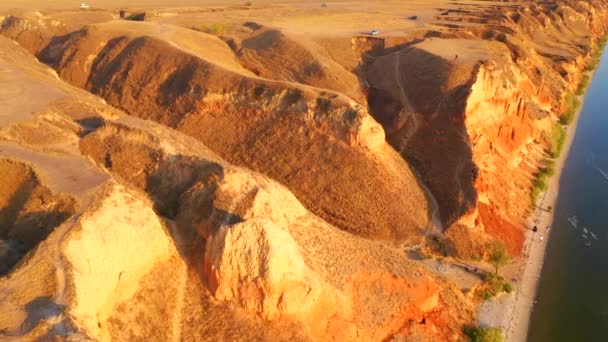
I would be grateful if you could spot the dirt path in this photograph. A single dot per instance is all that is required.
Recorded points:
(409, 108)
(435, 226)
(176, 323)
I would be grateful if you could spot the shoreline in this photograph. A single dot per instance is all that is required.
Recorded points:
(534, 251)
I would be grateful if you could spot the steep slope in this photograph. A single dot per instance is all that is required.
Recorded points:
(163, 239)
(272, 54)
(321, 145)
(475, 108)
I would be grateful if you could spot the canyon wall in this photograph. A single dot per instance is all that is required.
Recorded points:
(474, 109)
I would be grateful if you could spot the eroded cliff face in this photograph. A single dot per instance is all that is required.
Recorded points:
(321, 144)
(475, 116)
(137, 231)
(126, 213)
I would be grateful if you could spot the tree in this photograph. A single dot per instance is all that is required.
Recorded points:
(498, 255)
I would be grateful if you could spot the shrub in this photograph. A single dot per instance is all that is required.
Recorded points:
(558, 138)
(213, 29)
(597, 54)
(583, 84)
(481, 334)
(493, 284)
(498, 255)
(572, 106)
(539, 184)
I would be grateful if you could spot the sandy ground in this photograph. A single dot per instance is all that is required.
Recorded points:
(512, 311)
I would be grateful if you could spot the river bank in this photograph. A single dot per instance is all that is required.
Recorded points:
(512, 312)
(535, 248)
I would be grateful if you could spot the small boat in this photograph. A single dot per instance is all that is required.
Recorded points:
(585, 230)
(593, 235)
(573, 220)
(585, 237)
(587, 244)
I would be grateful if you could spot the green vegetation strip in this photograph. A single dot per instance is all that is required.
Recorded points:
(558, 132)
(216, 29)
(483, 334)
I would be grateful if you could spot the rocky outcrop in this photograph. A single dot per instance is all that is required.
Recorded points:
(30, 212)
(297, 266)
(33, 31)
(265, 252)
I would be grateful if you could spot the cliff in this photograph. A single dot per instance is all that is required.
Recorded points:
(123, 229)
(475, 109)
(270, 179)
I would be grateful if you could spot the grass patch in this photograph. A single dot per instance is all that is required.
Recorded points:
(493, 285)
(583, 84)
(572, 105)
(481, 334)
(558, 139)
(216, 29)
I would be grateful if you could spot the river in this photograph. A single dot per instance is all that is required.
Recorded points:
(572, 297)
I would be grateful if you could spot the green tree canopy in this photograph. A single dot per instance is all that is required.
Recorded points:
(498, 255)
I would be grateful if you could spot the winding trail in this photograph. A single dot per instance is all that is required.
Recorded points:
(408, 107)
(176, 323)
(434, 226)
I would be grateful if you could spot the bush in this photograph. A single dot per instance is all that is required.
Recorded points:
(493, 284)
(213, 29)
(597, 54)
(481, 334)
(583, 84)
(572, 106)
(558, 139)
(498, 255)
(539, 184)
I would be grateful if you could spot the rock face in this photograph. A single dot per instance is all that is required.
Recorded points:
(157, 215)
(478, 123)
(111, 247)
(322, 145)
(283, 267)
